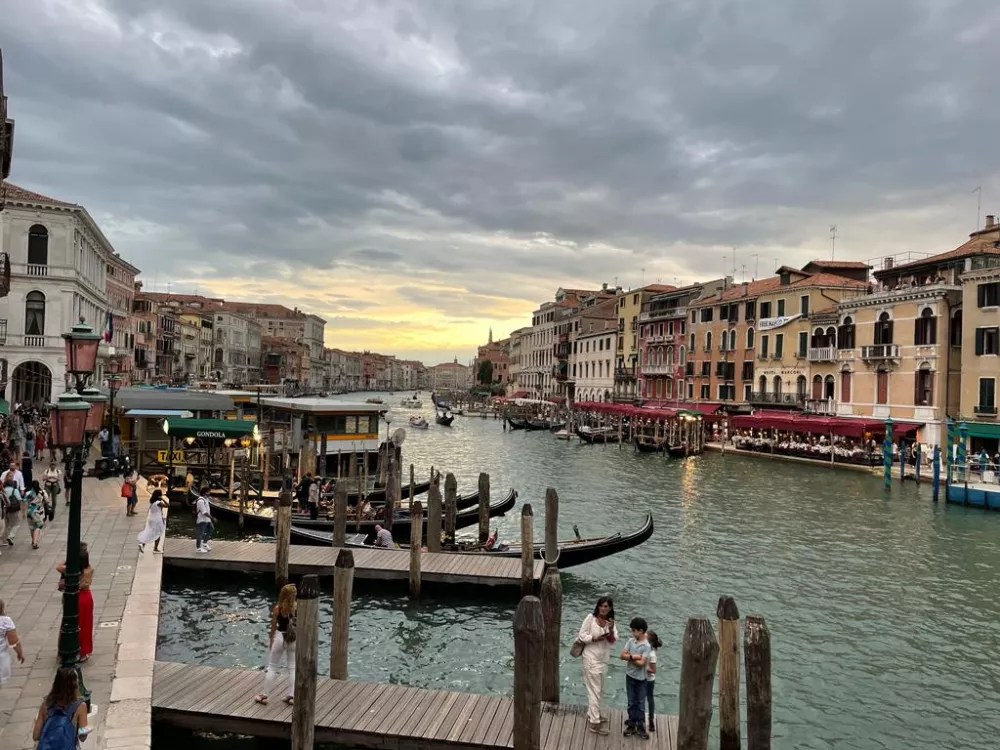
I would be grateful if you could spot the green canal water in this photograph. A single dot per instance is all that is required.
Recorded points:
(883, 607)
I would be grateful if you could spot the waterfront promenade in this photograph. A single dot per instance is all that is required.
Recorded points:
(123, 587)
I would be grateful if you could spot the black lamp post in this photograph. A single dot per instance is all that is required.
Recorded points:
(75, 418)
(114, 383)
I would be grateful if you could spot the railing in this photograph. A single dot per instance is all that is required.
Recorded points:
(3, 332)
(625, 373)
(787, 399)
(823, 354)
(657, 369)
(657, 339)
(33, 341)
(880, 351)
(36, 270)
(820, 406)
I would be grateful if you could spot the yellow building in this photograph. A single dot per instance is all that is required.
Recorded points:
(629, 308)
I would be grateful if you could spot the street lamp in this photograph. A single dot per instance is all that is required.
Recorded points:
(114, 383)
(74, 419)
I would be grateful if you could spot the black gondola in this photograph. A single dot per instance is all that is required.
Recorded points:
(517, 424)
(645, 446)
(677, 451)
(602, 435)
(401, 523)
(444, 420)
(261, 515)
(571, 553)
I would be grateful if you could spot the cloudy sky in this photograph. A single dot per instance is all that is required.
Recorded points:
(417, 172)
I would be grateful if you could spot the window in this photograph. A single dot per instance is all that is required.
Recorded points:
(800, 387)
(762, 384)
(883, 330)
(708, 341)
(923, 387)
(882, 387)
(987, 295)
(38, 246)
(781, 308)
(803, 343)
(747, 392)
(691, 342)
(804, 305)
(765, 309)
(925, 328)
(694, 316)
(724, 344)
(750, 311)
(34, 314)
(690, 390)
(707, 314)
(764, 341)
(732, 340)
(704, 391)
(817, 387)
(987, 341)
(777, 385)
(747, 373)
(779, 340)
(987, 395)
(829, 387)
(845, 334)
(750, 343)
(955, 335)
(706, 369)
(845, 387)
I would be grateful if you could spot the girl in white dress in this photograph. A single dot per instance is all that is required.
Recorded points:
(154, 522)
(9, 642)
(597, 633)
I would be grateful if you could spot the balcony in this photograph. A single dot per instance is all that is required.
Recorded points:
(780, 399)
(560, 351)
(35, 342)
(823, 354)
(825, 406)
(625, 373)
(3, 332)
(657, 339)
(657, 369)
(880, 352)
(986, 411)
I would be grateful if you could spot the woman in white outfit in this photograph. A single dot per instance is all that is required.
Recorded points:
(9, 642)
(597, 634)
(281, 654)
(155, 525)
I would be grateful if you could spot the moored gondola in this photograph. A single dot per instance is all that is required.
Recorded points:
(571, 553)
(598, 435)
(648, 446)
(517, 424)
(401, 523)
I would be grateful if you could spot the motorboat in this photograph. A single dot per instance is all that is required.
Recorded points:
(418, 423)
(411, 403)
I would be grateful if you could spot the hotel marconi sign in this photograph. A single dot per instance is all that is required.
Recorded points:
(767, 324)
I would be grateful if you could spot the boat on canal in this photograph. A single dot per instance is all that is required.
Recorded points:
(411, 403)
(444, 418)
(595, 434)
(572, 552)
(418, 423)
(468, 516)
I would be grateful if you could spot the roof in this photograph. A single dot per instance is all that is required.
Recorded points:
(734, 293)
(210, 429)
(829, 279)
(18, 194)
(134, 397)
(323, 405)
(841, 264)
(157, 413)
(982, 242)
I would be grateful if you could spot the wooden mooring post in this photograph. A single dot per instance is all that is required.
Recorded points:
(392, 488)
(551, 527)
(416, 539)
(698, 662)
(283, 537)
(757, 659)
(528, 627)
(343, 585)
(729, 673)
(484, 507)
(450, 508)
(551, 598)
(340, 515)
(527, 550)
(433, 516)
(413, 485)
(306, 642)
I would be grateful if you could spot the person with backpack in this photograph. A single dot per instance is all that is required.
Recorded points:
(62, 718)
(37, 504)
(14, 508)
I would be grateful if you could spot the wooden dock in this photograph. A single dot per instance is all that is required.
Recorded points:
(379, 564)
(377, 715)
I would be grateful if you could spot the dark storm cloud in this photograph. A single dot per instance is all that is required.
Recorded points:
(515, 146)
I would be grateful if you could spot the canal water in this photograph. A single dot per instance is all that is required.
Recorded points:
(882, 606)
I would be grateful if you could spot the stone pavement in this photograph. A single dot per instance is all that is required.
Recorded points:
(28, 581)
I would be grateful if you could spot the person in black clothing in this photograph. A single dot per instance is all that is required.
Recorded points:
(302, 490)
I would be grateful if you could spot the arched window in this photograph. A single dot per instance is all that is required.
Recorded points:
(883, 330)
(724, 345)
(845, 336)
(683, 359)
(845, 387)
(38, 246)
(817, 387)
(750, 341)
(829, 387)
(34, 314)
(732, 339)
(925, 328)
(817, 338)
(956, 328)
(708, 341)
(777, 385)
(670, 357)
(800, 386)
(762, 384)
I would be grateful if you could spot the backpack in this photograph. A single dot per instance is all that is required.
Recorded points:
(58, 731)
(13, 499)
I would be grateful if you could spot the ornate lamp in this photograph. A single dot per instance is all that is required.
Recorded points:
(68, 419)
(82, 344)
(97, 402)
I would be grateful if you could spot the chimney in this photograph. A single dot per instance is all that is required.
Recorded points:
(887, 264)
(604, 287)
(990, 221)
(745, 290)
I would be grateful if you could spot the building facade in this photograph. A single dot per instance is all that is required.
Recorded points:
(979, 323)
(58, 262)
(236, 358)
(593, 342)
(449, 376)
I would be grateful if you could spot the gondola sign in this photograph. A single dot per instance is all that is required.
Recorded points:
(210, 434)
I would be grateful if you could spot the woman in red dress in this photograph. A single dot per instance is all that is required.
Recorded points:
(85, 602)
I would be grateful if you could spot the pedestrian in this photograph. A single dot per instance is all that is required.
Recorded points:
(636, 654)
(281, 649)
(313, 499)
(203, 522)
(85, 601)
(13, 508)
(302, 491)
(9, 641)
(383, 538)
(154, 522)
(61, 722)
(654, 644)
(37, 504)
(129, 493)
(597, 633)
(52, 486)
(104, 438)
(13, 474)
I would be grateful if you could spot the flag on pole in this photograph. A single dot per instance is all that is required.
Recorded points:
(109, 327)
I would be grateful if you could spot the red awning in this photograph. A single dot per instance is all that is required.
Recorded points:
(521, 394)
(818, 425)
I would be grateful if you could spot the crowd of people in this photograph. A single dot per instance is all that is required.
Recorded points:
(845, 450)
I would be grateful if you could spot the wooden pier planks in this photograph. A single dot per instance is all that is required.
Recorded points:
(382, 564)
(376, 715)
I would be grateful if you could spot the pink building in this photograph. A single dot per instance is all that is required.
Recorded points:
(119, 286)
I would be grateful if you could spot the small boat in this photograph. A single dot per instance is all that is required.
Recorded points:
(571, 553)
(418, 422)
(648, 446)
(594, 434)
(517, 424)
(401, 523)
(563, 435)
(444, 419)
(374, 401)
(411, 403)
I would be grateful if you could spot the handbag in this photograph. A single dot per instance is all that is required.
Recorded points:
(576, 650)
(290, 631)
(127, 489)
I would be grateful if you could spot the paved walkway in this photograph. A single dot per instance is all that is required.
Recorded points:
(28, 581)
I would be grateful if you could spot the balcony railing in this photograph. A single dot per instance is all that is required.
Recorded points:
(820, 406)
(880, 352)
(657, 369)
(785, 399)
(625, 373)
(823, 354)
(655, 339)
(33, 341)
(36, 270)
(3, 332)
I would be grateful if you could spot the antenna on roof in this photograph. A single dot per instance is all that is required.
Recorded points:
(833, 241)
(743, 275)
(643, 278)
(756, 266)
(979, 204)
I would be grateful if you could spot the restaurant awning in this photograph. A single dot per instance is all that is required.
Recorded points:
(521, 394)
(208, 429)
(812, 424)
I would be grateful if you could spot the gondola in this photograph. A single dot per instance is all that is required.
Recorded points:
(261, 515)
(677, 451)
(401, 523)
(648, 447)
(538, 425)
(377, 495)
(600, 435)
(517, 424)
(444, 420)
(571, 553)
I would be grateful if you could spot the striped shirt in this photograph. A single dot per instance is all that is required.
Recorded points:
(384, 539)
